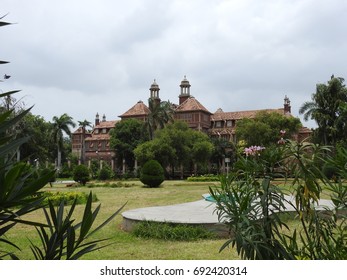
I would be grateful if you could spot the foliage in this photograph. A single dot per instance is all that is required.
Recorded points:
(160, 114)
(64, 238)
(203, 178)
(112, 185)
(61, 125)
(152, 174)
(253, 208)
(176, 145)
(264, 128)
(328, 108)
(67, 197)
(105, 173)
(81, 174)
(125, 137)
(173, 232)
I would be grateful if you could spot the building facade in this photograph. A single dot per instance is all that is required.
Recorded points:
(219, 124)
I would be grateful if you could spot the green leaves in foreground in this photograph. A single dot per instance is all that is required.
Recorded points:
(66, 240)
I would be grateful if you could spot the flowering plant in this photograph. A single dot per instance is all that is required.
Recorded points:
(253, 150)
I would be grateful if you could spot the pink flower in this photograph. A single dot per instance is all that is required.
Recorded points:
(281, 141)
(253, 150)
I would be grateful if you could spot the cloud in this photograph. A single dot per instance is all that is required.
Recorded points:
(102, 55)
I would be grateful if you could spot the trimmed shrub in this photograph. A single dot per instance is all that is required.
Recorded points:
(152, 174)
(81, 174)
(68, 197)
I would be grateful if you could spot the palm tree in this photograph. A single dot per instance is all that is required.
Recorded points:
(325, 108)
(160, 114)
(61, 125)
(83, 125)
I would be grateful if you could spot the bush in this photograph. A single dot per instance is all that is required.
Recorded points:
(68, 197)
(152, 174)
(105, 173)
(204, 178)
(175, 232)
(81, 174)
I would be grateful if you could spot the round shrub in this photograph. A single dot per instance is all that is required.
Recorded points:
(81, 174)
(152, 174)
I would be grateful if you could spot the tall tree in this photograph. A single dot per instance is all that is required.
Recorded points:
(160, 114)
(83, 125)
(61, 125)
(264, 129)
(327, 109)
(125, 137)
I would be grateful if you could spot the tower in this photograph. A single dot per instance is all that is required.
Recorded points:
(287, 107)
(185, 90)
(154, 92)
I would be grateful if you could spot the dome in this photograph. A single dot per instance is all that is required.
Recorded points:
(154, 85)
(185, 82)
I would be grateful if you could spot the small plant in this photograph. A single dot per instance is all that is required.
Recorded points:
(81, 174)
(173, 232)
(152, 174)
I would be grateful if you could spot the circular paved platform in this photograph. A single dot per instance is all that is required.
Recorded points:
(201, 212)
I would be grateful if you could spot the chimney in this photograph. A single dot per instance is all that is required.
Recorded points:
(104, 118)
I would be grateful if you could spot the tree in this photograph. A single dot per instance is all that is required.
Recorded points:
(81, 174)
(177, 146)
(160, 114)
(83, 125)
(265, 128)
(327, 109)
(40, 144)
(61, 125)
(125, 137)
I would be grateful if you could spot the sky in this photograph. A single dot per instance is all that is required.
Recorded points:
(83, 57)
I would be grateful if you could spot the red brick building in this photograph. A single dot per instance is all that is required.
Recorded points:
(190, 110)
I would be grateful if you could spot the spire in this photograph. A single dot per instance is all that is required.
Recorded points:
(287, 107)
(97, 120)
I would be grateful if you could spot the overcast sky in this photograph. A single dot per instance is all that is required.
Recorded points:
(81, 57)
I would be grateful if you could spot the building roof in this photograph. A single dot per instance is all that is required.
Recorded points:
(139, 109)
(191, 104)
(221, 115)
(106, 124)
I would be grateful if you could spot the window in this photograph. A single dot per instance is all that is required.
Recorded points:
(96, 131)
(219, 124)
(229, 123)
(104, 130)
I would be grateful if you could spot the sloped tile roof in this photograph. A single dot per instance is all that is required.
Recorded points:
(220, 115)
(139, 109)
(191, 104)
(106, 124)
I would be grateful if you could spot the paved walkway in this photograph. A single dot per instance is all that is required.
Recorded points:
(201, 212)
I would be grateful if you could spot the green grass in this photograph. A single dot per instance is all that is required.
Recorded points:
(127, 246)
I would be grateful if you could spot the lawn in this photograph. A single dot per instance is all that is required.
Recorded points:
(124, 245)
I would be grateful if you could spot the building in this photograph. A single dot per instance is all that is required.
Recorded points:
(189, 109)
